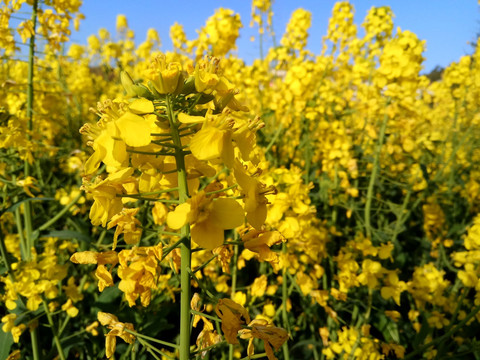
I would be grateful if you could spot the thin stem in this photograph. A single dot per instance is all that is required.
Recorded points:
(447, 335)
(401, 218)
(208, 347)
(214, 318)
(286, 353)
(373, 176)
(3, 252)
(169, 233)
(140, 197)
(31, 57)
(257, 356)
(172, 247)
(23, 245)
(60, 213)
(54, 331)
(150, 348)
(205, 263)
(222, 190)
(165, 153)
(138, 335)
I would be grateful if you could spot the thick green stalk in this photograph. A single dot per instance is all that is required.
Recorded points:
(185, 246)
(373, 176)
(31, 57)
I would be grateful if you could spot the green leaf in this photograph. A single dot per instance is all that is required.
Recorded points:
(68, 234)
(16, 205)
(109, 295)
(6, 342)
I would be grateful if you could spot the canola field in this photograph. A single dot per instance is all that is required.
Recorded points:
(187, 205)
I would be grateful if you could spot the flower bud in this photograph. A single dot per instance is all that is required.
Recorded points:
(132, 89)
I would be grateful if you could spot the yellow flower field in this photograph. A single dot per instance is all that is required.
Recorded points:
(188, 205)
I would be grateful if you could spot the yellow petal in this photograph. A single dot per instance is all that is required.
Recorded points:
(207, 235)
(134, 129)
(106, 318)
(112, 152)
(141, 106)
(91, 165)
(190, 119)
(110, 345)
(257, 218)
(84, 257)
(120, 175)
(227, 213)
(179, 216)
(104, 277)
(207, 144)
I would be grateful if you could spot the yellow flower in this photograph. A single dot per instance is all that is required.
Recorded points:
(122, 23)
(209, 218)
(72, 291)
(207, 337)
(214, 140)
(139, 272)
(104, 276)
(27, 184)
(254, 196)
(126, 224)
(14, 355)
(394, 287)
(68, 307)
(117, 328)
(106, 203)
(134, 129)
(231, 314)
(260, 242)
(371, 271)
(166, 78)
(92, 328)
(9, 326)
(259, 286)
(271, 336)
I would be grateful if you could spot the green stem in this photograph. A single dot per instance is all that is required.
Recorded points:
(3, 252)
(213, 318)
(201, 267)
(185, 246)
(149, 348)
(401, 218)
(208, 347)
(31, 57)
(54, 331)
(373, 176)
(256, 356)
(286, 324)
(274, 139)
(34, 340)
(60, 213)
(447, 335)
(23, 245)
(138, 335)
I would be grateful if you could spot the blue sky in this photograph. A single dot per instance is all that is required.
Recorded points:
(447, 25)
